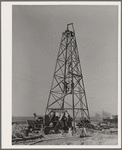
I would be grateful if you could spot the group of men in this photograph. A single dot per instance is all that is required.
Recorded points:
(66, 122)
(62, 120)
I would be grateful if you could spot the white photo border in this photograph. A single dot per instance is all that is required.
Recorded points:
(6, 53)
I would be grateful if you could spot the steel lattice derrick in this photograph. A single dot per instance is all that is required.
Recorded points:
(68, 79)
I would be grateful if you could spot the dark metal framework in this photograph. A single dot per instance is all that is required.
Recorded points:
(67, 89)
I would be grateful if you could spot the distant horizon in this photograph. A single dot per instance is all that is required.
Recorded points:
(43, 115)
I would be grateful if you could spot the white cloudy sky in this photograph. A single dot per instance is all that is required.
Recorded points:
(36, 35)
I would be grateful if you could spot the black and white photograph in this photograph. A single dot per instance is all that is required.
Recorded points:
(64, 82)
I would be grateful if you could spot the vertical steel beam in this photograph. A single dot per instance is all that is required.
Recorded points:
(72, 84)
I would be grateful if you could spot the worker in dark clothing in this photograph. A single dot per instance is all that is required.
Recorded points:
(69, 124)
(69, 121)
(66, 86)
(63, 120)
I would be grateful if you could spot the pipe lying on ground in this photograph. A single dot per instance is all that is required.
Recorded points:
(52, 139)
(27, 138)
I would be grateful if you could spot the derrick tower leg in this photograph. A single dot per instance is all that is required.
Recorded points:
(67, 89)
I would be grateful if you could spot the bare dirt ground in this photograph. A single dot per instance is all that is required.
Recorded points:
(94, 137)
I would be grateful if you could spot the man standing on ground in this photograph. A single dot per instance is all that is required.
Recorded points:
(83, 127)
(69, 121)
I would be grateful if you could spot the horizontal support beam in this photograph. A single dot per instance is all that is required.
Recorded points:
(75, 74)
(66, 108)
